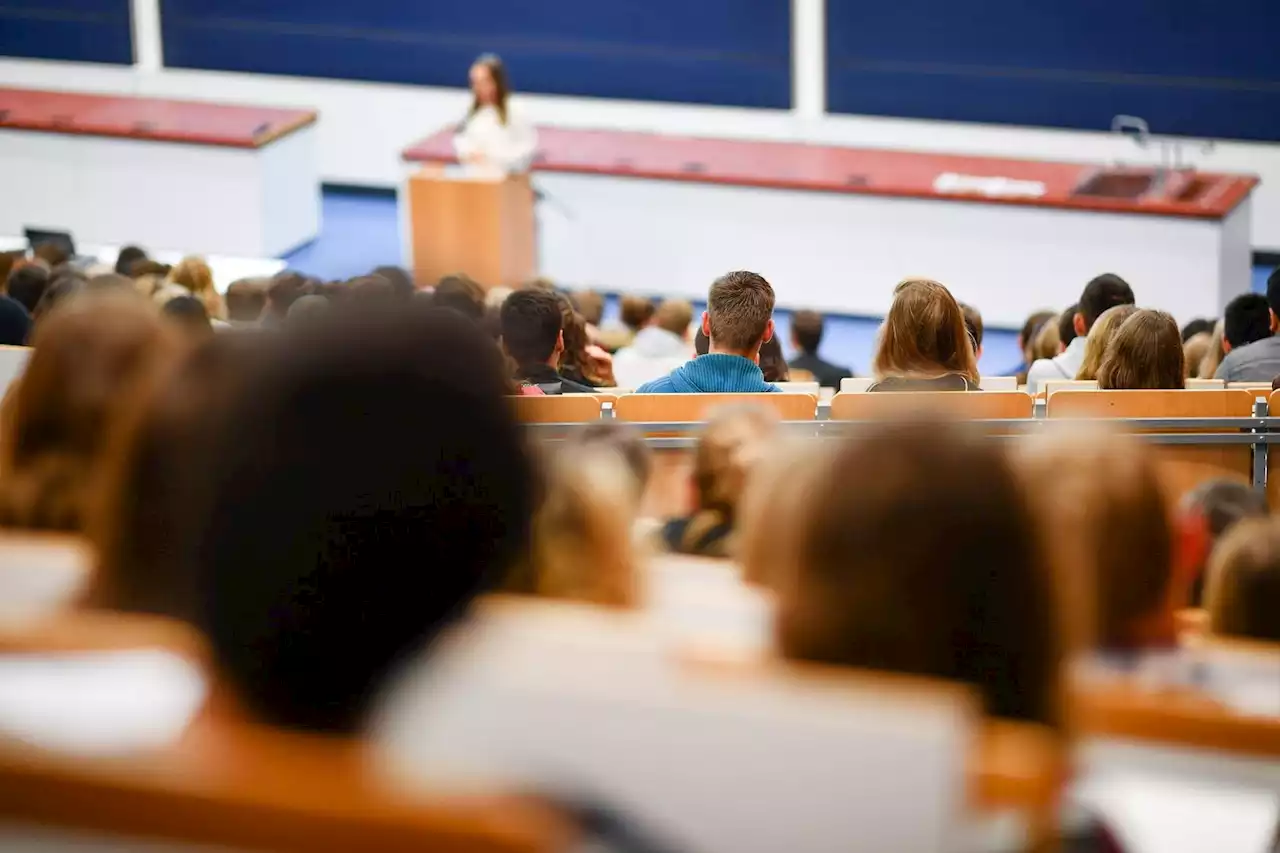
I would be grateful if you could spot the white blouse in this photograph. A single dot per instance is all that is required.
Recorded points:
(509, 146)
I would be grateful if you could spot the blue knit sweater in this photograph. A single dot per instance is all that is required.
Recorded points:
(711, 373)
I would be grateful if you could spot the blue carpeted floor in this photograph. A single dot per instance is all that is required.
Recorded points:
(361, 231)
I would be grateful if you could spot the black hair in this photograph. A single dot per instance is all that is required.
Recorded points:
(1195, 327)
(368, 481)
(531, 324)
(806, 329)
(1247, 318)
(27, 284)
(1067, 324)
(461, 294)
(1105, 291)
(128, 256)
(1273, 291)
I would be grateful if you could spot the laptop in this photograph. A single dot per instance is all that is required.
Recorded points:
(62, 239)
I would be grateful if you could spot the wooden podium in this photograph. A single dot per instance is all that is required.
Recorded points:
(478, 224)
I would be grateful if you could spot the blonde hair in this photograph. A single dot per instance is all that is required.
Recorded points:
(1243, 589)
(1145, 352)
(582, 544)
(924, 335)
(1194, 351)
(194, 274)
(1215, 354)
(1099, 336)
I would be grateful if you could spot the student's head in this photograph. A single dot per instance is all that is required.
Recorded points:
(58, 292)
(1208, 511)
(285, 289)
(973, 325)
(1198, 326)
(590, 305)
(308, 309)
(246, 299)
(924, 336)
(15, 323)
(1031, 327)
(624, 440)
(1099, 338)
(1106, 291)
(932, 566)
(773, 364)
(1194, 350)
(1108, 527)
(1145, 352)
(90, 354)
(582, 542)
(489, 85)
(127, 257)
(1047, 342)
(1243, 591)
(188, 316)
(806, 331)
(194, 274)
(1067, 326)
(368, 480)
(152, 477)
(729, 449)
(739, 315)
(1247, 318)
(27, 284)
(674, 316)
(636, 312)
(532, 327)
(399, 279)
(461, 294)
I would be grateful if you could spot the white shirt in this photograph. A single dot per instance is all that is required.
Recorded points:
(509, 146)
(1065, 365)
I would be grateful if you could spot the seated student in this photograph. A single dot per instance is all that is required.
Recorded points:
(1213, 508)
(806, 335)
(738, 320)
(931, 566)
(188, 316)
(1258, 361)
(1243, 591)
(1100, 336)
(462, 294)
(1105, 291)
(127, 257)
(729, 449)
(634, 313)
(90, 352)
(582, 542)
(973, 325)
(246, 300)
(1145, 352)
(399, 278)
(1026, 340)
(581, 362)
(194, 274)
(1194, 350)
(664, 340)
(284, 289)
(773, 364)
(1245, 320)
(533, 338)
(27, 283)
(924, 345)
(368, 479)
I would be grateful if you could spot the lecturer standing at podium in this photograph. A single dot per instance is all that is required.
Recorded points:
(491, 137)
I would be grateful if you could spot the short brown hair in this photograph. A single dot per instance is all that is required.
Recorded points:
(674, 315)
(1243, 593)
(590, 305)
(933, 567)
(1145, 352)
(924, 335)
(806, 329)
(636, 311)
(740, 305)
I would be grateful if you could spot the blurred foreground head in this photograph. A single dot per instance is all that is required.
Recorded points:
(916, 551)
(369, 481)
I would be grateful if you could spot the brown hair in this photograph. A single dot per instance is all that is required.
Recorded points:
(740, 306)
(194, 274)
(674, 315)
(1108, 530)
(924, 335)
(589, 304)
(90, 353)
(1145, 352)
(574, 362)
(933, 566)
(1194, 350)
(972, 324)
(636, 311)
(501, 84)
(246, 299)
(1047, 343)
(1243, 591)
(1104, 329)
(728, 450)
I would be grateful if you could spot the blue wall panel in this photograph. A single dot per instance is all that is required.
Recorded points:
(734, 52)
(1189, 67)
(78, 30)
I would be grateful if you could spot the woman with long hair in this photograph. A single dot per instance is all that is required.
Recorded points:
(1145, 352)
(491, 136)
(924, 343)
(194, 274)
(1104, 329)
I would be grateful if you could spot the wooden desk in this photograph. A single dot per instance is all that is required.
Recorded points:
(836, 228)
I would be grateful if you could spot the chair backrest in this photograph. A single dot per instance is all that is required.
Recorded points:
(41, 573)
(13, 360)
(811, 388)
(855, 384)
(1051, 386)
(999, 383)
(595, 723)
(557, 409)
(687, 408)
(987, 405)
(1196, 384)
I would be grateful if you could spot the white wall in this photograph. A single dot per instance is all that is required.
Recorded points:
(364, 126)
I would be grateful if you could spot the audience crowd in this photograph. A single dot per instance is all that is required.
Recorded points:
(322, 476)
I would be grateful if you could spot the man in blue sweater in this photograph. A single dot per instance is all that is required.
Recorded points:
(738, 320)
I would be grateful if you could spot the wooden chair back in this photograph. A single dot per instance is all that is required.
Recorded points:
(557, 409)
(813, 389)
(13, 361)
(999, 383)
(987, 405)
(855, 384)
(41, 573)
(1052, 386)
(687, 408)
(1196, 384)
(1182, 467)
